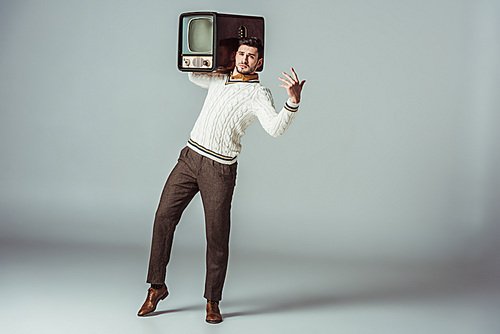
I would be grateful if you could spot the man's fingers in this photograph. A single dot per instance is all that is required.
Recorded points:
(289, 77)
(285, 81)
(294, 74)
(291, 82)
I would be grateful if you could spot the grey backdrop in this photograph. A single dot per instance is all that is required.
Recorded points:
(394, 153)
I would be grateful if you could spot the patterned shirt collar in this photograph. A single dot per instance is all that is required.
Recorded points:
(243, 77)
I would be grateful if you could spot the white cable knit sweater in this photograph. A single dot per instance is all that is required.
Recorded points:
(230, 107)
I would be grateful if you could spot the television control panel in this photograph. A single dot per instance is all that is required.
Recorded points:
(196, 62)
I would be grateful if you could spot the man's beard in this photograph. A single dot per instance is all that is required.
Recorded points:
(248, 70)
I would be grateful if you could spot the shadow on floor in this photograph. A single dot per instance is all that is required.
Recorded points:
(182, 309)
(395, 292)
(326, 297)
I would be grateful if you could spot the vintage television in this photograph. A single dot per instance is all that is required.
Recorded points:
(208, 40)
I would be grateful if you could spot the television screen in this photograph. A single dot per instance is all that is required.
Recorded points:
(200, 35)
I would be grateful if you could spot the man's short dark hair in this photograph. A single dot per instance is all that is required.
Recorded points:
(253, 42)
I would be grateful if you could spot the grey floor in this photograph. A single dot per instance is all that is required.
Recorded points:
(54, 288)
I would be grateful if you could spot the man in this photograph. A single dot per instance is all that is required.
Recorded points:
(208, 165)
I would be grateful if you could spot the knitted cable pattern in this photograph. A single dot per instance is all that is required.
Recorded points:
(229, 108)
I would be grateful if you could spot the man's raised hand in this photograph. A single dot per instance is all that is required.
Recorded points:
(293, 86)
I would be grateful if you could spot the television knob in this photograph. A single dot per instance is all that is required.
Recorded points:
(186, 62)
(206, 63)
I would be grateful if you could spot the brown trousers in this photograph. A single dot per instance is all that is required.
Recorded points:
(215, 182)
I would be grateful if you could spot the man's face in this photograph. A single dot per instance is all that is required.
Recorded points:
(247, 60)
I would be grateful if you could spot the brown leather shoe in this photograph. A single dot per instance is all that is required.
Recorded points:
(213, 313)
(154, 296)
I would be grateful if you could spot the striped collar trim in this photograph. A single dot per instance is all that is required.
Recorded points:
(210, 152)
(238, 78)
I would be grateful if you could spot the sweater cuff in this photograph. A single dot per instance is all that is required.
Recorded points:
(290, 106)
